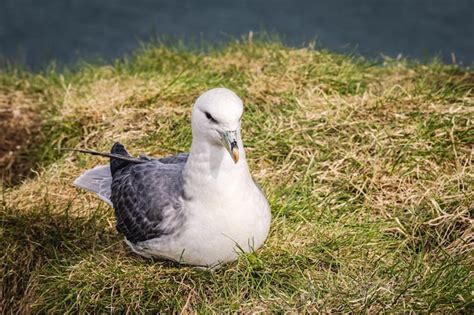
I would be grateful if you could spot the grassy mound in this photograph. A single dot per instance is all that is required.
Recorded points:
(368, 169)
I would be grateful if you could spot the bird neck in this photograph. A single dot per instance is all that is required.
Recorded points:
(212, 164)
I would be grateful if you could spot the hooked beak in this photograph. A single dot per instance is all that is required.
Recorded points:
(230, 142)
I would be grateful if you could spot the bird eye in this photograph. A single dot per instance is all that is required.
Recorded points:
(210, 117)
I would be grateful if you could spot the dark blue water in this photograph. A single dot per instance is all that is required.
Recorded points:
(37, 32)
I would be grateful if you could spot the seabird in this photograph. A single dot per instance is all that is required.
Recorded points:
(200, 208)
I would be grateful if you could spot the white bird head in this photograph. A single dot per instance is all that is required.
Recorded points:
(216, 119)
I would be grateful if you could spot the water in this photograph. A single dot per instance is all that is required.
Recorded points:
(38, 32)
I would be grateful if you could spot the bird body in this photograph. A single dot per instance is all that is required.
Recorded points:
(201, 208)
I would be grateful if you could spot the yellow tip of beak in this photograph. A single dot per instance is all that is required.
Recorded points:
(235, 155)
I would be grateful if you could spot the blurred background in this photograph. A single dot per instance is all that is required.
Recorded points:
(35, 33)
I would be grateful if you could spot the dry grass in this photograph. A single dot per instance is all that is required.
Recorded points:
(368, 169)
(19, 124)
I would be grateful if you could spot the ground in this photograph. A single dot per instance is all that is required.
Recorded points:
(367, 167)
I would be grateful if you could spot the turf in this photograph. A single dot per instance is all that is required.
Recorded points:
(367, 167)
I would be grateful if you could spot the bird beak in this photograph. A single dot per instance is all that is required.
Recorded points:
(230, 142)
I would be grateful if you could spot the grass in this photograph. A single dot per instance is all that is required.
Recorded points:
(367, 167)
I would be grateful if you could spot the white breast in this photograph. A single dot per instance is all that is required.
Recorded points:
(226, 230)
(216, 231)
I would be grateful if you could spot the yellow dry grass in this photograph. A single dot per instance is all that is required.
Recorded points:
(18, 124)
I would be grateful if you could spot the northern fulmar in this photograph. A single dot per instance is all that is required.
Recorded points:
(200, 208)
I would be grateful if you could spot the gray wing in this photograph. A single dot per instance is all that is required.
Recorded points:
(175, 159)
(148, 198)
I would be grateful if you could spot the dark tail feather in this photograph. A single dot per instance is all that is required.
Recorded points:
(119, 157)
(109, 155)
(119, 163)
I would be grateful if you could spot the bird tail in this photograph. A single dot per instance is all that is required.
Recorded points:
(97, 180)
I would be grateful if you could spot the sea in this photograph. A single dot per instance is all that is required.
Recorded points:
(37, 33)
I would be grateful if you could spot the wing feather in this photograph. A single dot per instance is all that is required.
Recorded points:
(147, 199)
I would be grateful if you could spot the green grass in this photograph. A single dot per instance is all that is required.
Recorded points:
(367, 167)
